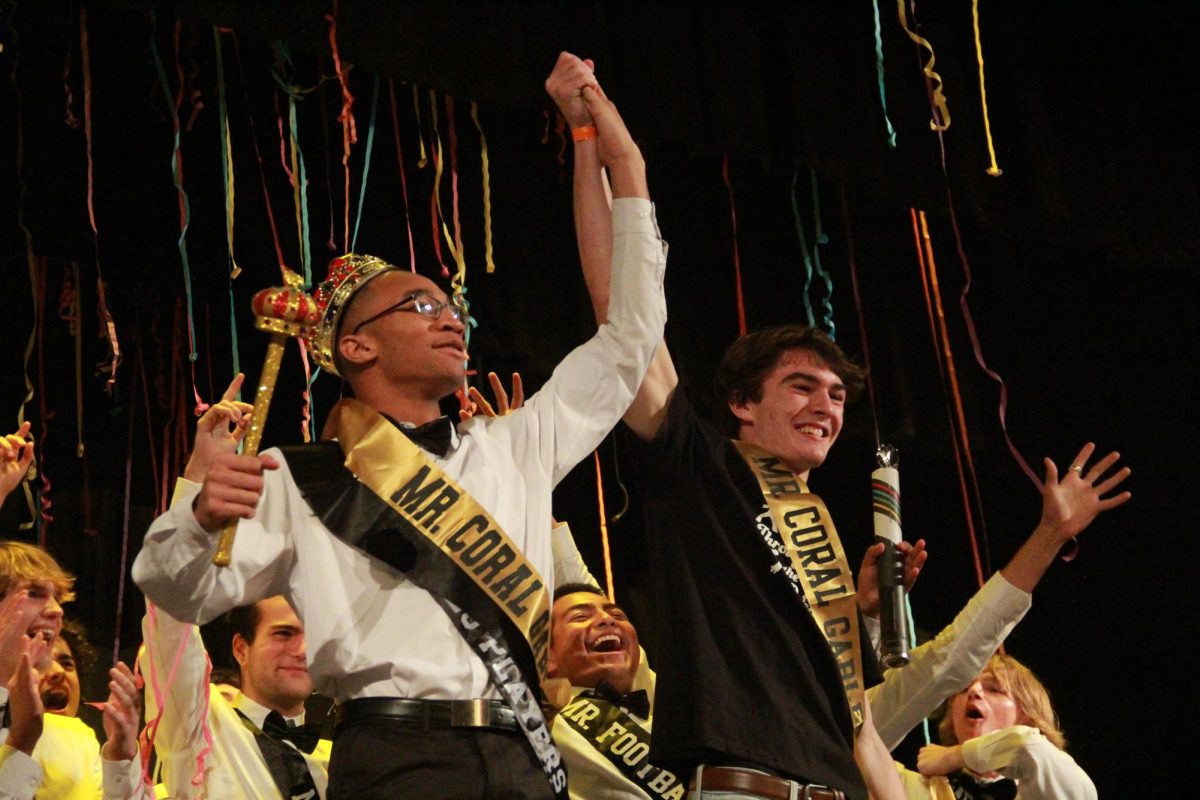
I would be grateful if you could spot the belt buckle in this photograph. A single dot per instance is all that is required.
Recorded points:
(808, 789)
(470, 713)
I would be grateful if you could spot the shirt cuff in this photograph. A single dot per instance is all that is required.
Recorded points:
(1006, 599)
(874, 631)
(633, 215)
(122, 779)
(20, 775)
(184, 488)
(568, 563)
(998, 749)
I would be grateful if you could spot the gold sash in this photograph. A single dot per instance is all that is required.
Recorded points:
(816, 554)
(396, 470)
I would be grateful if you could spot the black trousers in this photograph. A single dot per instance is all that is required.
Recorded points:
(378, 760)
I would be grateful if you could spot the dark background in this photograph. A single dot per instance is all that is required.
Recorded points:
(1083, 256)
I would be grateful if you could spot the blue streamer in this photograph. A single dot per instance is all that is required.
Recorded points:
(362, 190)
(891, 140)
(175, 177)
(305, 250)
(912, 644)
(808, 268)
(820, 239)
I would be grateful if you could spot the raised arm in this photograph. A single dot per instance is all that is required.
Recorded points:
(944, 666)
(174, 568)
(577, 93)
(174, 647)
(16, 454)
(1068, 506)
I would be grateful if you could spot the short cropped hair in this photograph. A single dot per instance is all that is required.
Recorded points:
(572, 588)
(746, 362)
(244, 620)
(1027, 692)
(25, 562)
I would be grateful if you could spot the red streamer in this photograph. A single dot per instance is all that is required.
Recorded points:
(737, 261)
(412, 249)
(262, 176)
(946, 371)
(862, 316)
(346, 117)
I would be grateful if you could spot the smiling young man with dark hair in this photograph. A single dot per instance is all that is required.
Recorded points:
(255, 745)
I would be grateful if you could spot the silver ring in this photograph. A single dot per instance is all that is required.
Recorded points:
(1077, 469)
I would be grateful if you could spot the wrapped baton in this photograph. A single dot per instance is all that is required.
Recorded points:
(885, 490)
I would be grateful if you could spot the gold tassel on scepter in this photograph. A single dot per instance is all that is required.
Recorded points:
(284, 312)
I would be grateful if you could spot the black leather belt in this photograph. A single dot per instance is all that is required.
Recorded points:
(428, 715)
(736, 779)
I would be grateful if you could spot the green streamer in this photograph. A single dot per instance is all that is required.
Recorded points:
(362, 190)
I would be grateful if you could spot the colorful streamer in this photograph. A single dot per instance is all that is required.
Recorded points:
(819, 238)
(362, 189)
(891, 138)
(346, 117)
(941, 113)
(487, 191)
(862, 314)
(608, 571)
(177, 179)
(737, 261)
(961, 442)
(435, 205)
(262, 176)
(994, 168)
(113, 357)
(227, 177)
(804, 254)
(412, 248)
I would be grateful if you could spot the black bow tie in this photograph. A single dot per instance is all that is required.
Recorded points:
(433, 436)
(303, 736)
(636, 702)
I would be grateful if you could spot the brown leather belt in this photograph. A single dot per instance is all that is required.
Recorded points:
(733, 779)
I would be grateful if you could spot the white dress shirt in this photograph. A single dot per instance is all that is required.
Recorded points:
(234, 766)
(946, 665)
(371, 632)
(1019, 753)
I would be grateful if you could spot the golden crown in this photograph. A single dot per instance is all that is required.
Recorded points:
(347, 274)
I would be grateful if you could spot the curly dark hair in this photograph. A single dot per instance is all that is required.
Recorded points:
(75, 635)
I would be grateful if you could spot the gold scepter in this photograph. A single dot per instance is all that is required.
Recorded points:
(284, 312)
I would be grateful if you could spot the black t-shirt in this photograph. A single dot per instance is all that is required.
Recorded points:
(744, 672)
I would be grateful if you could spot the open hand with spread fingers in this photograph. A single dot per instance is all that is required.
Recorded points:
(1071, 503)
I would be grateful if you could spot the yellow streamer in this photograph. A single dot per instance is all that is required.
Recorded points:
(608, 572)
(420, 139)
(459, 279)
(994, 170)
(941, 118)
(487, 191)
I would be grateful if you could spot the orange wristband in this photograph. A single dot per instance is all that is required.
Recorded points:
(583, 133)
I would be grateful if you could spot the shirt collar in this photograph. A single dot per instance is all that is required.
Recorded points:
(257, 713)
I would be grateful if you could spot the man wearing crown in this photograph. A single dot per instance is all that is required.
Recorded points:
(418, 554)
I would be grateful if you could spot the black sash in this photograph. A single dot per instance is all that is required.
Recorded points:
(287, 766)
(623, 741)
(359, 517)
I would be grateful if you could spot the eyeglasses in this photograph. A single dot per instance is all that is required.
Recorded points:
(426, 306)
